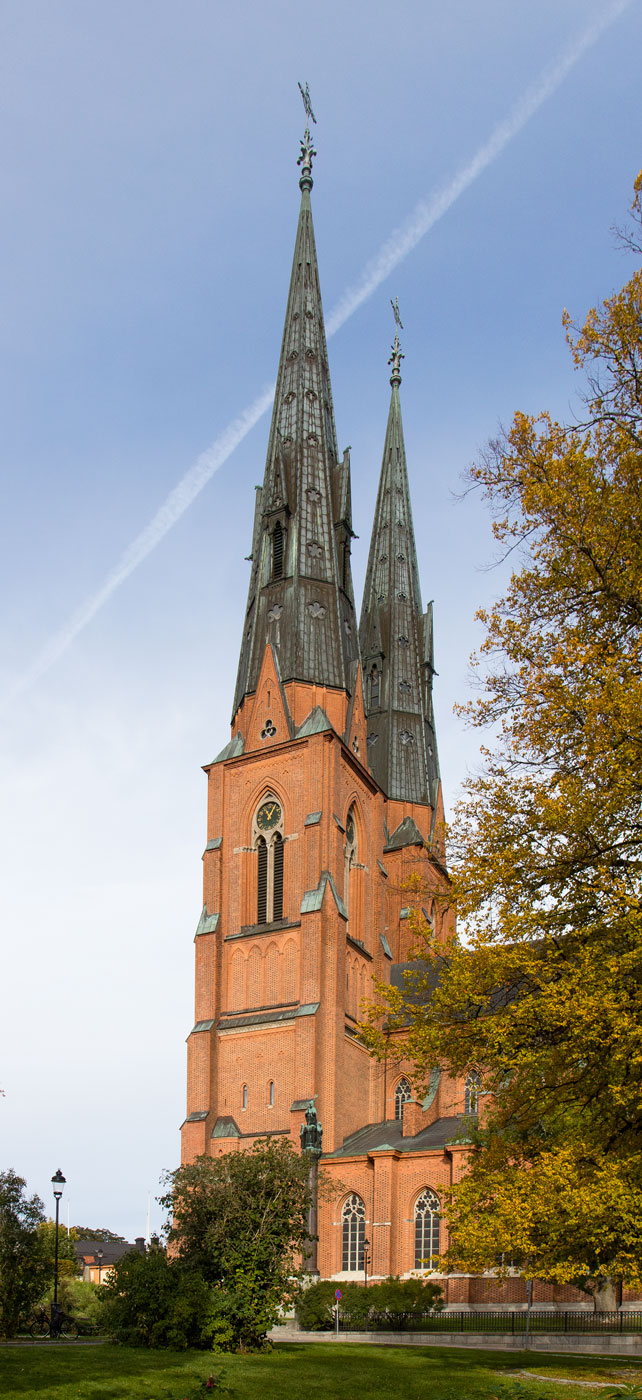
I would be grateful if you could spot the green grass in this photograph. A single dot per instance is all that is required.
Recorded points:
(299, 1372)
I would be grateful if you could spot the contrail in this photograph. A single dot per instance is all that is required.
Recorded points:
(397, 247)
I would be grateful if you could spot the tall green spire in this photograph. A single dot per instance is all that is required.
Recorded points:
(395, 634)
(300, 596)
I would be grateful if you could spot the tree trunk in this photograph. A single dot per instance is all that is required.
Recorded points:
(605, 1293)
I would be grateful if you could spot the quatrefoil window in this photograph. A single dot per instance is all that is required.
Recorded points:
(406, 737)
(269, 730)
(314, 549)
(315, 610)
(372, 739)
(275, 613)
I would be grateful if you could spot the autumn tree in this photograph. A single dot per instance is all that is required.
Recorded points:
(542, 991)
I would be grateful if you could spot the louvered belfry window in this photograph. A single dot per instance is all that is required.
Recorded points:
(277, 852)
(277, 551)
(261, 912)
(267, 838)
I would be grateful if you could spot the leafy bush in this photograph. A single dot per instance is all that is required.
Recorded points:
(150, 1301)
(393, 1304)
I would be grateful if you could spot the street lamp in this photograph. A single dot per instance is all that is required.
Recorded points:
(366, 1261)
(99, 1256)
(58, 1182)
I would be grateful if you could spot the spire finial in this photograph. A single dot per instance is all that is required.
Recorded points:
(307, 149)
(397, 353)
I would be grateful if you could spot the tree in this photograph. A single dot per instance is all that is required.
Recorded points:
(543, 991)
(240, 1221)
(151, 1301)
(105, 1236)
(23, 1261)
(68, 1263)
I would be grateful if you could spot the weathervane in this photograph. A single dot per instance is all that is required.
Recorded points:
(307, 149)
(397, 353)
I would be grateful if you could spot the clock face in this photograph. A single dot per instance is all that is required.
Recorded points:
(268, 816)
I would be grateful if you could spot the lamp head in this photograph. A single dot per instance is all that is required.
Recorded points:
(58, 1182)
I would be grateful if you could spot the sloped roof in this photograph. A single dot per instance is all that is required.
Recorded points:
(380, 1137)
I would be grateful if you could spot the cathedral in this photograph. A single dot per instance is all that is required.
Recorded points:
(324, 802)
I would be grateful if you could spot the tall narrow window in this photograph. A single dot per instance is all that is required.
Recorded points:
(271, 1093)
(277, 551)
(403, 1092)
(350, 855)
(353, 1220)
(471, 1093)
(267, 838)
(245, 1095)
(277, 856)
(375, 687)
(426, 1230)
(261, 911)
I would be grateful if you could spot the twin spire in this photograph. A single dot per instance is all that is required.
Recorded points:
(300, 596)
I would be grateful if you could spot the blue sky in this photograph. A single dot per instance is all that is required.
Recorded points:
(149, 186)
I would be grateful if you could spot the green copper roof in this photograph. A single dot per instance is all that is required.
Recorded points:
(305, 607)
(313, 899)
(396, 636)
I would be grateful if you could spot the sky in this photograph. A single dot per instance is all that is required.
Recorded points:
(472, 161)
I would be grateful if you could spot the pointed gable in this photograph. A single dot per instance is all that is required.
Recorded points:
(396, 636)
(300, 597)
(268, 717)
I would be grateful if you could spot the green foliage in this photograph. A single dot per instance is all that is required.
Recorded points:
(542, 992)
(80, 1232)
(24, 1262)
(150, 1301)
(239, 1221)
(68, 1264)
(392, 1304)
(80, 1299)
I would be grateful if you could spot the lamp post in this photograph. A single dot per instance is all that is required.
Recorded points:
(99, 1256)
(366, 1261)
(58, 1183)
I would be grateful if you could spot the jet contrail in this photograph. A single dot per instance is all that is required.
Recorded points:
(397, 247)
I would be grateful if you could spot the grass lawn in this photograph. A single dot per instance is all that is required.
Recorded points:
(293, 1372)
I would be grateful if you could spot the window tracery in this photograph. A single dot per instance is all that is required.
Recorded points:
(353, 1221)
(426, 1229)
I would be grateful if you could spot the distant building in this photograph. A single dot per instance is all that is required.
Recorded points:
(97, 1257)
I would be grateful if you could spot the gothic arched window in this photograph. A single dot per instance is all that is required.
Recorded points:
(426, 1229)
(277, 550)
(403, 1092)
(353, 1220)
(267, 836)
(471, 1093)
(350, 855)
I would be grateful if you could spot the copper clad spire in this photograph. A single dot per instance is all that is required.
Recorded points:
(300, 595)
(395, 634)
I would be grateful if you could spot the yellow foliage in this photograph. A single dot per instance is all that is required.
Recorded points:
(543, 991)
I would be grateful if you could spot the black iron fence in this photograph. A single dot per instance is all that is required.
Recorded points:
(540, 1320)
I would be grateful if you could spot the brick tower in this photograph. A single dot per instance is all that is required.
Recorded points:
(326, 798)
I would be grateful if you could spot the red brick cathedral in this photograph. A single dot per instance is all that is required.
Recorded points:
(325, 800)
